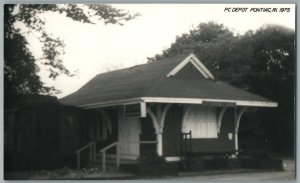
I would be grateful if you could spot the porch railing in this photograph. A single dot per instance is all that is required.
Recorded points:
(117, 145)
(92, 152)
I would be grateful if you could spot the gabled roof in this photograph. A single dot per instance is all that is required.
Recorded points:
(179, 79)
(196, 63)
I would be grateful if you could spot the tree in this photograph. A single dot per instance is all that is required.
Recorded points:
(20, 69)
(261, 62)
(273, 75)
(212, 43)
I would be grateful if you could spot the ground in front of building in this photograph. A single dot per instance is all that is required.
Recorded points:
(220, 175)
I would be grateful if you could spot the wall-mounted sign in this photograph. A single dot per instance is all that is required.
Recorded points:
(219, 104)
(135, 110)
(230, 136)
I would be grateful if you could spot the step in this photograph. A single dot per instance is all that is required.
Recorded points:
(98, 165)
(111, 159)
(109, 167)
(110, 164)
(107, 161)
(107, 155)
(99, 169)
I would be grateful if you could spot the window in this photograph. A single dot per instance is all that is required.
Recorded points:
(202, 121)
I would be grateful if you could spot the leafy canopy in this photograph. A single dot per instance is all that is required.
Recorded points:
(20, 69)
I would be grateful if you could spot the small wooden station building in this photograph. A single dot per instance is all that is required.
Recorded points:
(160, 101)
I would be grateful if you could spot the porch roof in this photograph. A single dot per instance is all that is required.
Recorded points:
(152, 83)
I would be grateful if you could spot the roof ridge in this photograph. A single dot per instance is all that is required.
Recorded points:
(134, 66)
(150, 80)
(153, 87)
(177, 55)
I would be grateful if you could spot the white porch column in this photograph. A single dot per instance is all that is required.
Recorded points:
(237, 119)
(220, 117)
(158, 123)
(236, 145)
(159, 146)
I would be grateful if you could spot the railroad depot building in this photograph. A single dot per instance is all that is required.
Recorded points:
(149, 108)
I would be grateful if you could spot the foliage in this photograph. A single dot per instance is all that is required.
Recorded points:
(261, 62)
(273, 76)
(20, 69)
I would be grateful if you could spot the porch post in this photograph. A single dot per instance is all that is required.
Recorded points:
(158, 123)
(220, 117)
(237, 119)
(157, 132)
(159, 144)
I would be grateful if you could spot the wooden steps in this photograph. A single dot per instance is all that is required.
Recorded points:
(110, 163)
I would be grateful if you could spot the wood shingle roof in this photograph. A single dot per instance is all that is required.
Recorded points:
(149, 82)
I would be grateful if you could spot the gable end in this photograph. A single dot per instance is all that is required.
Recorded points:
(197, 64)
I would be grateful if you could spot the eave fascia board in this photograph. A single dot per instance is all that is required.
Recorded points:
(206, 76)
(177, 101)
(200, 101)
(111, 103)
(179, 66)
(202, 66)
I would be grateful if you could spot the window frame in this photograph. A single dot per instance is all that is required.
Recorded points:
(196, 111)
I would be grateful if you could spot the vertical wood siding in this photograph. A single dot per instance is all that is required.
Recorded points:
(129, 130)
(222, 143)
(202, 121)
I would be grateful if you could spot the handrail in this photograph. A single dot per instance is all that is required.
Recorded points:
(117, 144)
(109, 146)
(92, 147)
(140, 142)
(103, 151)
(82, 148)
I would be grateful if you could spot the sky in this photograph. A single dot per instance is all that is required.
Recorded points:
(99, 48)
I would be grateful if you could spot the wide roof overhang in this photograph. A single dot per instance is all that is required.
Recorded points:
(182, 79)
(212, 102)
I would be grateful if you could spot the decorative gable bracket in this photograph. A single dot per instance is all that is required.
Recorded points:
(197, 64)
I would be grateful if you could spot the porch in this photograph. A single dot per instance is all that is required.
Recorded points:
(138, 130)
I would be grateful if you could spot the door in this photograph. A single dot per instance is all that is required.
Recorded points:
(129, 131)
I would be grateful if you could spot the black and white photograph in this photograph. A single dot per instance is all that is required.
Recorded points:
(198, 92)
